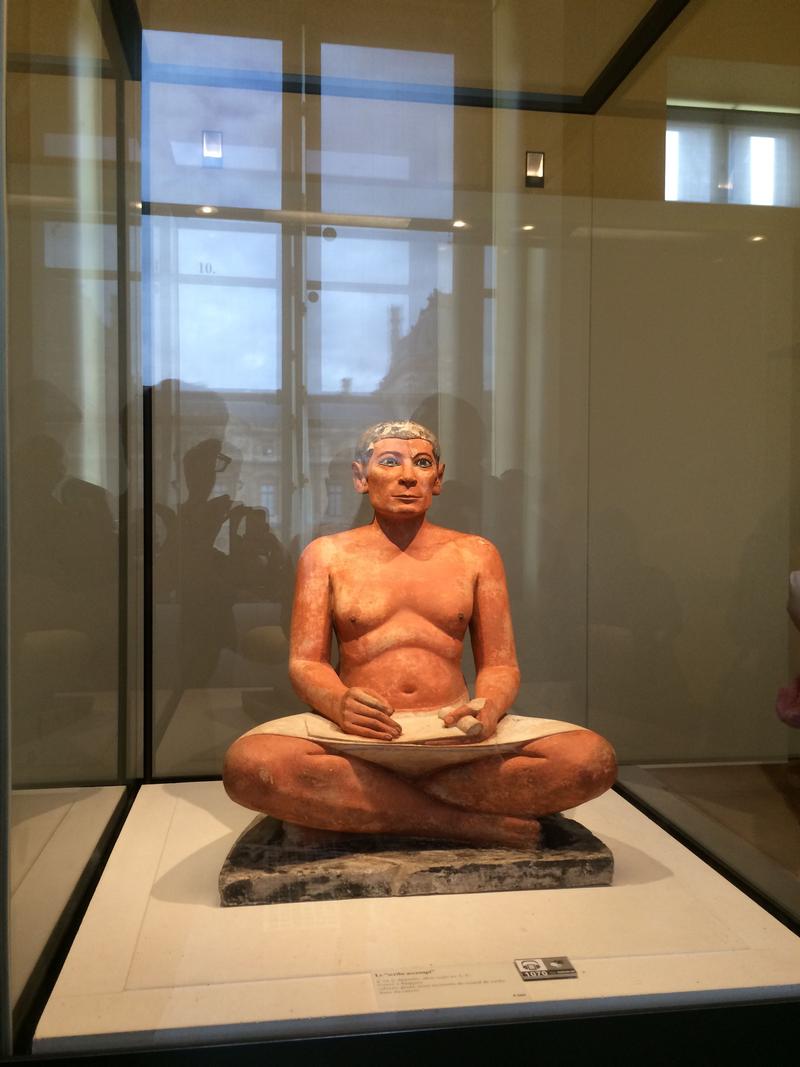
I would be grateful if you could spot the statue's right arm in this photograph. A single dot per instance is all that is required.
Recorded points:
(314, 679)
(356, 711)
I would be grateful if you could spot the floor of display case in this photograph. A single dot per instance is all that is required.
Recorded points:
(745, 815)
(158, 962)
(760, 802)
(53, 835)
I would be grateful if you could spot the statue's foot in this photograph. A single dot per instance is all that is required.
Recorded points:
(297, 836)
(496, 831)
(483, 831)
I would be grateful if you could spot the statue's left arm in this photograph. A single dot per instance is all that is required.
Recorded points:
(492, 634)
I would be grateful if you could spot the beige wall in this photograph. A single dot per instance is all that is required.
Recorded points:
(693, 483)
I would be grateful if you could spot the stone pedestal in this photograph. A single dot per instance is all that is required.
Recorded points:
(275, 864)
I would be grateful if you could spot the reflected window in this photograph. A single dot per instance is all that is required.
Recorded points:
(372, 319)
(215, 316)
(732, 157)
(212, 120)
(385, 156)
(382, 155)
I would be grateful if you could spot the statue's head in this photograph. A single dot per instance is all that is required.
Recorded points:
(398, 465)
(402, 429)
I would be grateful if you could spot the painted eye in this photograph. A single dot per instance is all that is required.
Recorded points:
(423, 461)
(388, 461)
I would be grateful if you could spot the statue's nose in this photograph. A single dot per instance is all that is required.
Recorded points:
(408, 477)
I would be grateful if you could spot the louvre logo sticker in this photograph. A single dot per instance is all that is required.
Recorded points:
(539, 968)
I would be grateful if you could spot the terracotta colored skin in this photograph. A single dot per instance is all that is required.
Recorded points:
(400, 594)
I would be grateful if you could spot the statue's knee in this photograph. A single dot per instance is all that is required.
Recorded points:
(247, 771)
(321, 774)
(596, 763)
(235, 770)
(607, 762)
(262, 768)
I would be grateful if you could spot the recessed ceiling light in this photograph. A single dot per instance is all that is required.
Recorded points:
(758, 237)
(459, 224)
(206, 209)
(529, 227)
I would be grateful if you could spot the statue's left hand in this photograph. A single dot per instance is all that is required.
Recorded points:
(488, 716)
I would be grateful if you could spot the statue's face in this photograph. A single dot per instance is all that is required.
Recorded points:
(401, 477)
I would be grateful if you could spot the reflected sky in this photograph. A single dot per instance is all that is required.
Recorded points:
(386, 157)
(214, 135)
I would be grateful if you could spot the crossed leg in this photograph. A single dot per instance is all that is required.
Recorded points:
(489, 802)
(543, 777)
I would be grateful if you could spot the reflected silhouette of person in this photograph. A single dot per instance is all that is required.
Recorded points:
(63, 587)
(262, 567)
(342, 510)
(218, 562)
(190, 564)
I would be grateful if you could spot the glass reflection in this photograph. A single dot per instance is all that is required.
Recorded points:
(214, 311)
(732, 157)
(271, 342)
(385, 156)
(375, 291)
(202, 89)
(73, 744)
(280, 322)
(64, 434)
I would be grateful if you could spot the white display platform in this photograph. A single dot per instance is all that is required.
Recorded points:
(158, 962)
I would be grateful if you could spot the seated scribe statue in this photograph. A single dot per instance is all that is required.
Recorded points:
(400, 594)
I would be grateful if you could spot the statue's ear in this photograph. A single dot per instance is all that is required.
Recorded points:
(437, 485)
(360, 477)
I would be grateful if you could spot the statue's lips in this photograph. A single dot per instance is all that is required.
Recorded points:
(407, 498)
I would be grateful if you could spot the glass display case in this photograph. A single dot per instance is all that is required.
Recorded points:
(235, 235)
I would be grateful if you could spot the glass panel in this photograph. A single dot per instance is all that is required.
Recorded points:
(73, 474)
(693, 515)
(214, 352)
(373, 291)
(545, 46)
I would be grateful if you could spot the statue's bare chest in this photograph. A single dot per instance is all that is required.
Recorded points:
(372, 595)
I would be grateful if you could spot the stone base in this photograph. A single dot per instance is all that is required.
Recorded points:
(273, 864)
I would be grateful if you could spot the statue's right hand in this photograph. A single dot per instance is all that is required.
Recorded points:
(365, 714)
